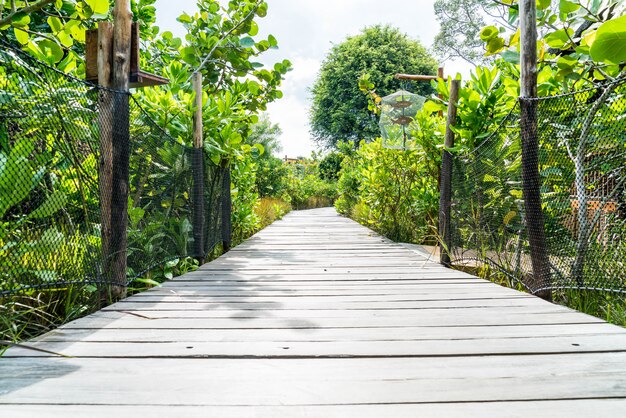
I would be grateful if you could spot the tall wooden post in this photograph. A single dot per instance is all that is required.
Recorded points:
(105, 120)
(199, 228)
(226, 207)
(120, 147)
(530, 149)
(445, 197)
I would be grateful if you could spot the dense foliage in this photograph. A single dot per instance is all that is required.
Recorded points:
(395, 191)
(339, 110)
(223, 45)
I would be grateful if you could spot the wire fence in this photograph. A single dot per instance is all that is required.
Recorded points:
(582, 167)
(55, 201)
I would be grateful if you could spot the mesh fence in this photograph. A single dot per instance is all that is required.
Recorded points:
(57, 206)
(582, 167)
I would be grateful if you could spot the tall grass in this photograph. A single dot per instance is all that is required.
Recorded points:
(270, 209)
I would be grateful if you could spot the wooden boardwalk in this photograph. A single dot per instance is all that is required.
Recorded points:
(316, 316)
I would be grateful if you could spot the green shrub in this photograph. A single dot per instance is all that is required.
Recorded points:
(271, 177)
(395, 191)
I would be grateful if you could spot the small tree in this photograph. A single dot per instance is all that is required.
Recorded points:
(339, 111)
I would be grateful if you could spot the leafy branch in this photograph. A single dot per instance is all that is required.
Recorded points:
(35, 7)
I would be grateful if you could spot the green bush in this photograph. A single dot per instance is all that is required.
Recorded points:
(394, 191)
(271, 177)
(305, 187)
(244, 198)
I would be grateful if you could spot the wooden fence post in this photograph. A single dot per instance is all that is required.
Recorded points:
(530, 149)
(199, 227)
(120, 147)
(445, 196)
(226, 208)
(105, 121)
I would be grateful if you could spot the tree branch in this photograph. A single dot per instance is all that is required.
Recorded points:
(224, 37)
(28, 9)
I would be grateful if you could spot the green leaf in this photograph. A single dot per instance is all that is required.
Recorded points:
(247, 42)
(560, 38)
(20, 20)
(184, 18)
(511, 56)
(55, 202)
(566, 7)
(610, 42)
(488, 33)
(260, 148)
(432, 106)
(262, 10)
(21, 36)
(53, 53)
(55, 24)
(254, 87)
(273, 42)
(495, 45)
(543, 4)
(99, 7)
(51, 240)
(254, 29)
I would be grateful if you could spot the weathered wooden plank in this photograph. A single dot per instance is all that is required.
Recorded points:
(509, 409)
(327, 335)
(369, 381)
(597, 343)
(176, 304)
(123, 320)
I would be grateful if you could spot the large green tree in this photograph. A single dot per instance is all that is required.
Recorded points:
(340, 111)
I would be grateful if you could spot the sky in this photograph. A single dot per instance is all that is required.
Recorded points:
(306, 30)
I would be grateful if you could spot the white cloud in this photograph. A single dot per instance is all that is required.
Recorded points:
(289, 111)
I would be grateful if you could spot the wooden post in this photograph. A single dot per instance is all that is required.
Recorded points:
(530, 149)
(198, 173)
(226, 208)
(440, 77)
(445, 196)
(105, 121)
(121, 147)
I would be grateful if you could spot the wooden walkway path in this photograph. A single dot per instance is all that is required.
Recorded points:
(317, 316)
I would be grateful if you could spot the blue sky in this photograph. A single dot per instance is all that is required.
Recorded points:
(306, 30)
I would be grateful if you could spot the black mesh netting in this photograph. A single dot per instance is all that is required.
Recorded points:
(582, 167)
(52, 191)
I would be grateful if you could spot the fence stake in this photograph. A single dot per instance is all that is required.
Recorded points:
(121, 148)
(445, 195)
(198, 172)
(105, 120)
(530, 149)
(226, 207)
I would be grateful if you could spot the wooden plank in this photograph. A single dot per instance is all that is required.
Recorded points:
(176, 304)
(453, 319)
(510, 409)
(252, 382)
(326, 335)
(598, 343)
